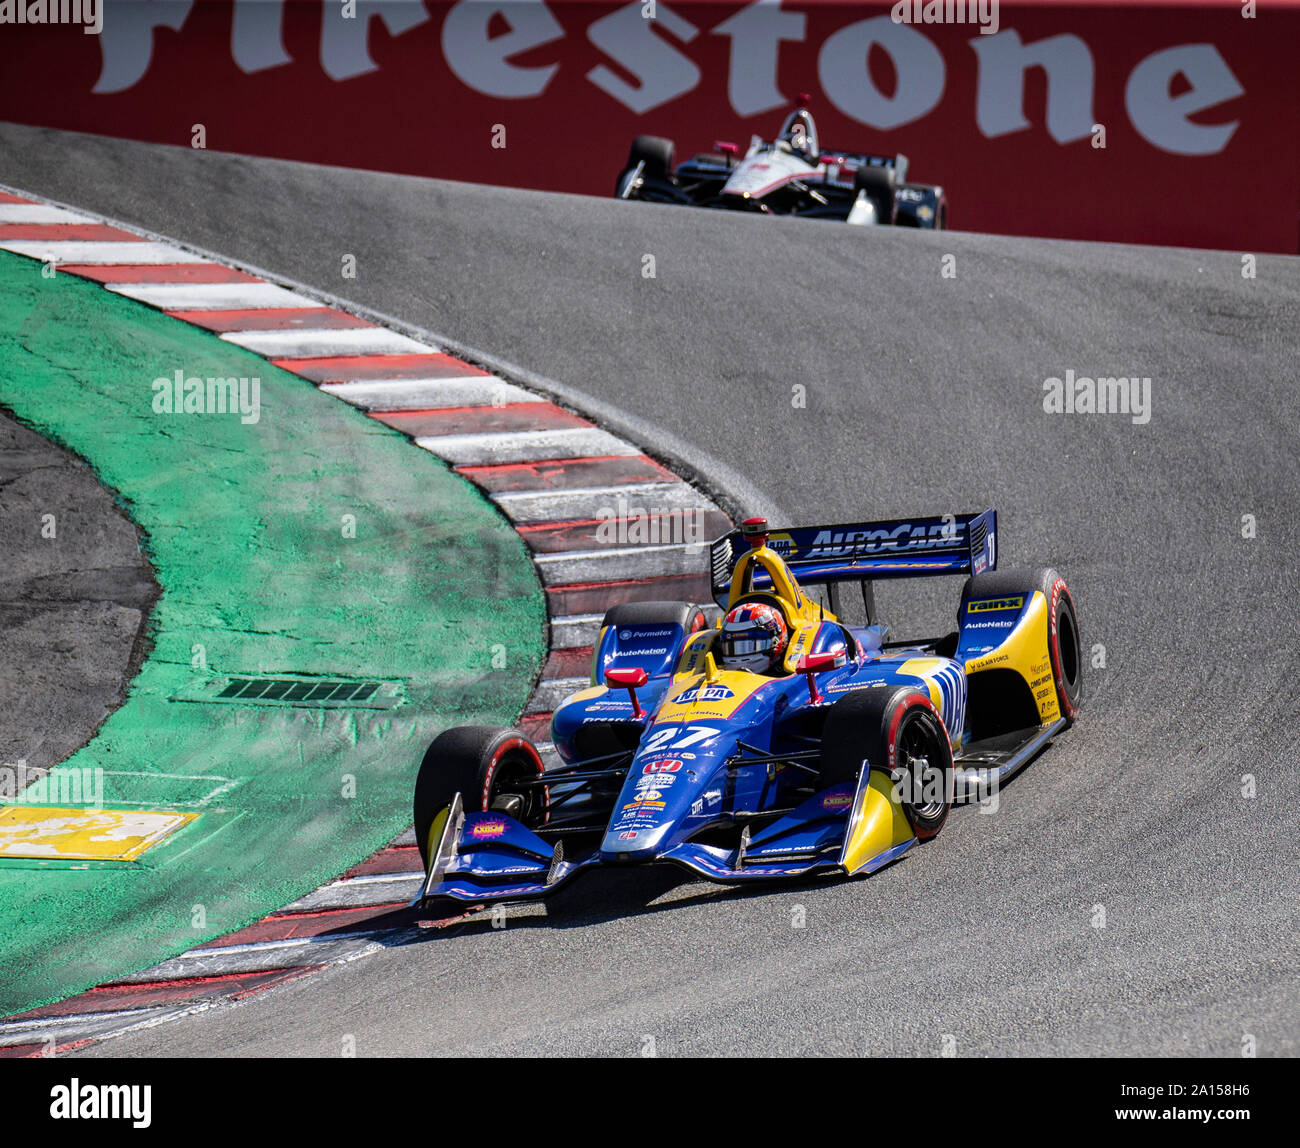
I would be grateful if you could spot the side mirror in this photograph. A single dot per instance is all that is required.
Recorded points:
(629, 680)
(812, 664)
(727, 148)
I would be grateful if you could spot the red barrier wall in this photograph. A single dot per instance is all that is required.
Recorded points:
(1199, 101)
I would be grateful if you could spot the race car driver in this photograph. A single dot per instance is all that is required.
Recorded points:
(754, 638)
(799, 133)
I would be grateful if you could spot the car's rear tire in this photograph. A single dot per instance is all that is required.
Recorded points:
(480, 763)
(1064, 645)
(896, 729)
(653, 153)
(879, 186)
(685, 614)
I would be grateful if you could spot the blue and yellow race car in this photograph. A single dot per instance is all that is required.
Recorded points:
(773, 742)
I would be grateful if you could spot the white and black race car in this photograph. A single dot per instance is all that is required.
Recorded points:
(790, 175)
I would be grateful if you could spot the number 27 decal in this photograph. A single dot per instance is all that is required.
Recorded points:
(667, 737)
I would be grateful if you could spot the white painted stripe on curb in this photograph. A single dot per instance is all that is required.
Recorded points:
(211, 296)
(40, 213)
(308, 344)
(260, 958)
(63, 1029)
(575, 631)
(524, 446)
(474, 390)
(358, 892)
(621, 565)
(586, 503)
(99, 252)
(551, 692)
(550, 756)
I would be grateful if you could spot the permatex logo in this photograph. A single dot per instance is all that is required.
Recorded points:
(988, 604)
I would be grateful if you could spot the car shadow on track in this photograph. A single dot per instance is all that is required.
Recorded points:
(606, 895)
(602, 895)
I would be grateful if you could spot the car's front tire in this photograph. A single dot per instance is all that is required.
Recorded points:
(895, 729)
(485, 765)
(880, 187)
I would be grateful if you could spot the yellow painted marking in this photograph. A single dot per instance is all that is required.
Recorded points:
(41, 832)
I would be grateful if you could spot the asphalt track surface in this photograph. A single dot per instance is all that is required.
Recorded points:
(76, 590)
(924, 395)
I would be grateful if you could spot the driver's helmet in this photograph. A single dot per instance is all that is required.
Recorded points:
(800, 133)
(754, 637)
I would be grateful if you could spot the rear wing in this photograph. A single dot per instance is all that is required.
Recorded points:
(866, 551)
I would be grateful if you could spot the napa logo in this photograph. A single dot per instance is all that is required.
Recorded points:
(704, 693)
(783, 545)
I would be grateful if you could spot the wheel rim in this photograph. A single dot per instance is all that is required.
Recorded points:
(916, 754)
(1068, 645)
(512, 767)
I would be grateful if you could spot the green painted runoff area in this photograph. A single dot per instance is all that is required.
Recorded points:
(247, 526)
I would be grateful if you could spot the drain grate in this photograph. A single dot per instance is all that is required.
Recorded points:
(297, 692)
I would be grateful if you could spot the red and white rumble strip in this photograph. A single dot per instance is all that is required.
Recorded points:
(554, 474)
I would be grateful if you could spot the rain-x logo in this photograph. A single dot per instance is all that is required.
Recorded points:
(80, 788)
(77, 1101)
(87, 12)
(181, 396)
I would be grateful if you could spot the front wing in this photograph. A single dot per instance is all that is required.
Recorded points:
(485, 857)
